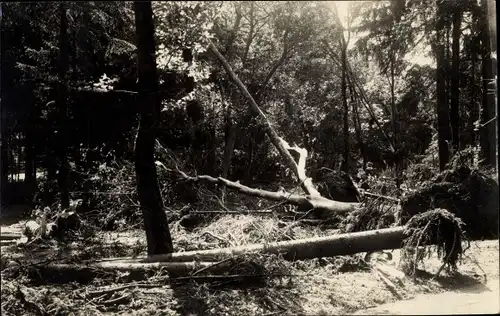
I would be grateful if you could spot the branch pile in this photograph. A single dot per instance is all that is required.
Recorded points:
(468, 194)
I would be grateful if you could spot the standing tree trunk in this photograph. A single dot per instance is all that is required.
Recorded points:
(488, 113)
(455, 73)
(345, 163)
(155, 220)
(475, 107)
(395, 130)
(229, 128)
(62, 133)
(357, 125)
(441, 93)
(230, 135)
(30, 168)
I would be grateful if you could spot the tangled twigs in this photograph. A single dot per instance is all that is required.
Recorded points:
(416, 248)
(447, 258)
(212, 266)
(98, 293)
(447, 236)
(118, 300)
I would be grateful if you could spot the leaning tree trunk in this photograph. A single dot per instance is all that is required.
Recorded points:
(62, 135)
(441, 93)
(155, 220)
(281, 146)
(455, 72)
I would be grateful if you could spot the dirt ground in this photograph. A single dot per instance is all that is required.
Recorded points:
(330, 286)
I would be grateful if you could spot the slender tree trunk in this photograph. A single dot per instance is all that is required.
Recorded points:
(395, 130)
(30, 168)
(455, 80)
(256, 132)
(279, 143)
(345, 164)
(250, 36)
(212, 148)
(488, 113)
(441, 93)
(62, 144)
(230, 140)
(4, 168)
(357, 127)
(155, 220)
(474, 109)
(229, 128)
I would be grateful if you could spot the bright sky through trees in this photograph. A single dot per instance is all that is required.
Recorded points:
(418, 55)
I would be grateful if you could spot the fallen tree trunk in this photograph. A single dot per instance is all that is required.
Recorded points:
(81, 273)
(10, 236)
(305, 201)
(328, 246)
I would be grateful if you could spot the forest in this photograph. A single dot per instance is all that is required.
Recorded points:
(190, 157)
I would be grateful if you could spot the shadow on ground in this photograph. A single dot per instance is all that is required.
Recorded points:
(244, 297)
(457, 282)
(12, 214)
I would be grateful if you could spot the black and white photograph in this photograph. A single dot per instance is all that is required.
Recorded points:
(221, 158)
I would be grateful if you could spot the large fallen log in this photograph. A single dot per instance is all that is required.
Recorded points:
(82, 273)
(328, 246)
(305, 201)
(10, 236)
(300, 249)
(444, 225)
(445, 232)
(214, 260)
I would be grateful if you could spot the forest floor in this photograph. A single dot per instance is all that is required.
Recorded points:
(338, 285)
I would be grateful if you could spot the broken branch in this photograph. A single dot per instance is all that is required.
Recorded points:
(307, 201)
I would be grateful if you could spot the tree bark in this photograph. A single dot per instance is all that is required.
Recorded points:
(155, 220)
(300, 249)
(455, 79)
(62, 144)
(488, 113)
(441, 93)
